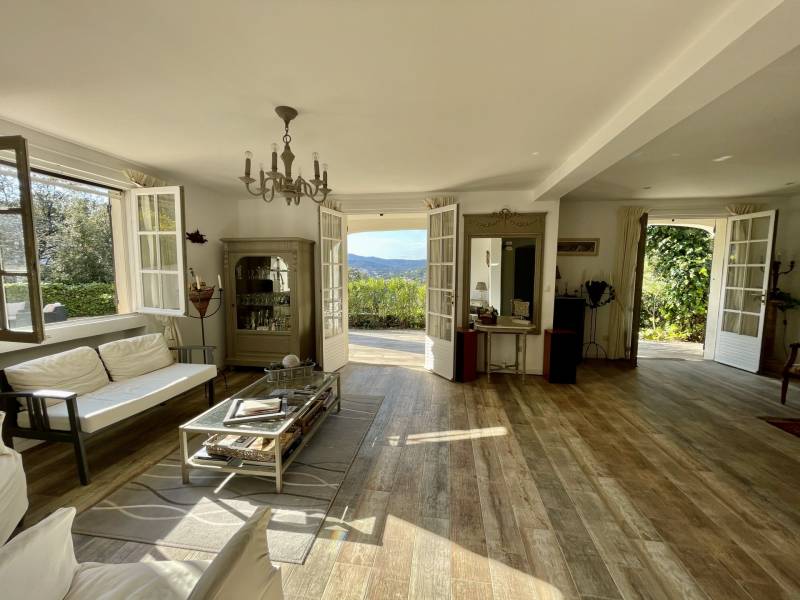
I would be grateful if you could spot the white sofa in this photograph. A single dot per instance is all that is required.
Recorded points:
(71, 395)
(13, 490)
(40, 564)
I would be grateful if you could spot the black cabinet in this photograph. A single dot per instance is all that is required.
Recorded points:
(569, 313)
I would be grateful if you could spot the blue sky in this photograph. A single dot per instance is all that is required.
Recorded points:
(409, 244)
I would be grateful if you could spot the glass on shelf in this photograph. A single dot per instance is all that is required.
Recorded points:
(263, 294)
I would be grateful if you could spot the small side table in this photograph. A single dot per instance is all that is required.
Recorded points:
(505, 326)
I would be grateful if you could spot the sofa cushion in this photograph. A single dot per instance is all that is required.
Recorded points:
(165, 580)
(242, 569)
(39, 563)
(135, 356)
(79, 371)
(13, 492)
(122, 399)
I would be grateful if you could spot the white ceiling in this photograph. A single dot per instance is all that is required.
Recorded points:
(408, 96)
(757, 124)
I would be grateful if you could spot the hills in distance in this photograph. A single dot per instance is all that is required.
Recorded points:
(384, 268)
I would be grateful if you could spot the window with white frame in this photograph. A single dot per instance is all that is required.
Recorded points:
(63, 259)
(156, 219)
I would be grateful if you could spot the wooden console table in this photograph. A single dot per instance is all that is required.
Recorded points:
(505, 326)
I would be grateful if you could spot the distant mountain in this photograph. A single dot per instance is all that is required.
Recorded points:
(372, 266)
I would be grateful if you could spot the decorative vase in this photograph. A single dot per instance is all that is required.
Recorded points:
(201, 298)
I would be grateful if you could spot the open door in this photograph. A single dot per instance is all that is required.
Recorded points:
(637, 293)
(744, 290)
(333, 260)
(440, 317)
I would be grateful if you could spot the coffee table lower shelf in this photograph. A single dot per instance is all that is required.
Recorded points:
(281, 463)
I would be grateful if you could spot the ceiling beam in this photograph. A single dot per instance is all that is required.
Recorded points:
(745, 39)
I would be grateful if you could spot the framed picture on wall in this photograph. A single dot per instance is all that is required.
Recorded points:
(578, 246)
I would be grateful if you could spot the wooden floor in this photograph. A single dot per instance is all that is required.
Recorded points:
(658, 482)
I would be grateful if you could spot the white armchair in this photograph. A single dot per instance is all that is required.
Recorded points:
(40, 564)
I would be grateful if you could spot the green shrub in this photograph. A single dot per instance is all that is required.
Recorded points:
(81, 300)
(386, 303)
(676, 283)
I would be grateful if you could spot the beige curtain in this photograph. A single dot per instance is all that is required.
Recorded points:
(624, 281)
(439, 201)
(143, 179)
(742, 209)
(171, 331)
(332, 204)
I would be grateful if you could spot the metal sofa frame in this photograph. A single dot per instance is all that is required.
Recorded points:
(36, 405)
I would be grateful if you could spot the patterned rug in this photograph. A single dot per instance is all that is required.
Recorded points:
(156, 508)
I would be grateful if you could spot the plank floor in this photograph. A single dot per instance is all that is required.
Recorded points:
(659, 482)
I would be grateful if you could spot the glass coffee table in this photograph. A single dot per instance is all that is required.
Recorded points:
(211, 422)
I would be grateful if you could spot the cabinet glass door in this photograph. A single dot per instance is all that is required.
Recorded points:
(263, 294)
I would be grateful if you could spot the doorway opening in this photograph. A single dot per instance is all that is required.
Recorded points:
(387, 272)
(676, 287)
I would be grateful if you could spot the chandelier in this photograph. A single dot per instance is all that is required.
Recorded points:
(274, 182)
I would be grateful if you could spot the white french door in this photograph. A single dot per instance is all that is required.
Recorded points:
(744, 290)
(440, 310)
(333, 263)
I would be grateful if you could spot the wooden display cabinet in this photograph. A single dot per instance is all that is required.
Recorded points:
(269, 285)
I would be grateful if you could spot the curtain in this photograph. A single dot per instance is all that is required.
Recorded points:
(439, 201)
(143, 179)
(624, 281)
(332, 204)
(171, 331)
(742, 209)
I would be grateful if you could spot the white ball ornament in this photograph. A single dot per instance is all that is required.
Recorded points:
(291, 361)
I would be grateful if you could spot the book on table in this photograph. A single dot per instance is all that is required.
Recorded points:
(204, 457)
(246, 410)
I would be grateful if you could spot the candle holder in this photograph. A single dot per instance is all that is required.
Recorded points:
(597, 293)
(201, 298)
(776, 274)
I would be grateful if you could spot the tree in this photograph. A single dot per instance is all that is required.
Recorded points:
(73, 231)
(676, 284)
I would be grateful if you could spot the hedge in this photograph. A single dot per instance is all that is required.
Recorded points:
(81, 300)
(376, 303)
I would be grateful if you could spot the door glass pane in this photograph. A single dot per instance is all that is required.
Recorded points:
(448, 222)
(331, 251)
(166, 212)
(9, 187)
(12, 243)
(169, 291)
(737, 254)
(755, 277)
(740, 230)
(18, 308)
(147, 213)
(750, 325)
(147, 251)
(752, 302)
(759, 229)
(447, 328)
(733, 299)
(730, 322)
(150, 290)
(168, 246)
(737, 276)
(757, 254)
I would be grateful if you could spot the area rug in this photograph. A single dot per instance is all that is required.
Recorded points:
(788, 425)
(156, 508)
